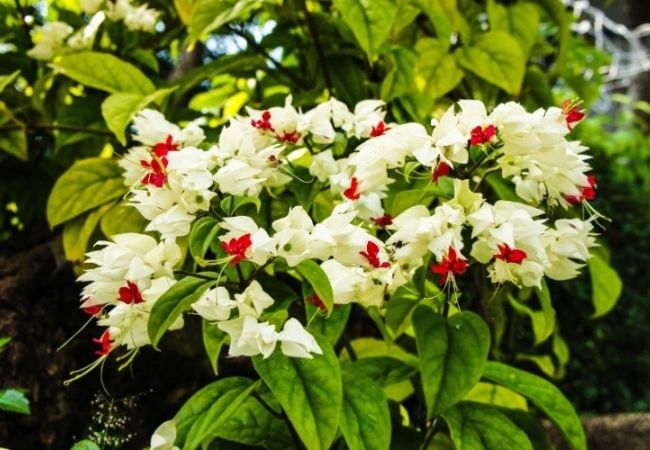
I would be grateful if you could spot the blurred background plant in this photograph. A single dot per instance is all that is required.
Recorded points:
(418, 55)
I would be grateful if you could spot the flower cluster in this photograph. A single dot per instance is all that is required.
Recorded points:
(56, 37)
(365, 252)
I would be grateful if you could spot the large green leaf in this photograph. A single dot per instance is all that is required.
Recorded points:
(220, 392)
(452, 354)
(606, 285)
(476, 426)
(208, 15)
(382, 370)
(253, 424)
(173, 303)
(77, 233)
(520, 20)
(105, 72)
(309, 390)
(531, 426)
(86, 185)
(86, 444)
(557, 11)
(118, 109)
(207, 425)
(365, 418)
(14, 400)
(497, 58)
(545, 396)
(122, 218)
(330, 327)
(369, 20)
(400, 307)
(318, 280)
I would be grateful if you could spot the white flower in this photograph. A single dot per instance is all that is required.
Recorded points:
(91, 6)
(450, 139)
(50, 39)
(174, 222)
(566, 244)
(262, 246)
(215, 304)
(238, 178)
(164, 437)
(152, 128)
(323, 165)
(351, 284)
(317, 122)
(248, 337)
(134, 17)
(293, 235)
(253, 301)
(296, 342)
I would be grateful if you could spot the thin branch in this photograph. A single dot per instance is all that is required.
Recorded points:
(319, 48)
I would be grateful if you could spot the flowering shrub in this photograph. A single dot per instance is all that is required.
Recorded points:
(273, 234)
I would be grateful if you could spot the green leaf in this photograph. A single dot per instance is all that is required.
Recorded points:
(369, 20)
(173, 303)
(475, 426)
(201, 402)
(105, 72)
(318, 280)
(520, 20)
(497, 58)
(309, 390)
(543, 362)
(556, 10)
(405, 199)
(254, 425)
(543, 321)
(4, 341)
(118, 109)
(122, 218)
(86, 444)
(208, 15)
(6, 80)
(365, 418)
(86, 185)
(606, 285)
(493, 394)
(330, 327)
(231, 204)
(77, 232)
(213, 340)
(536, 434)
(400, 307)
(545, 396)
(383, 370)
(452, 354)
(14, 142)
(204, 232)
(14, 400)
(207, 426)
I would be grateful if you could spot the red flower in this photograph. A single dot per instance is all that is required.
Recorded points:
(92, 310)
(383, 221)
(317, 302)
(352, 192)
(105, 342)
(157, 174)
(441, 170)
(162, 148)
(482, 135)
(372, 255)
(130, 294)
(237, 248)
(450, 264)
(378, 129)
(291, 137)
(572, 112)
(587, 192)
(264, 123)
(510, 255)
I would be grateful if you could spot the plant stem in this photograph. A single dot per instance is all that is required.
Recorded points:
(431, 432)
(266, 406)
(348, 346)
